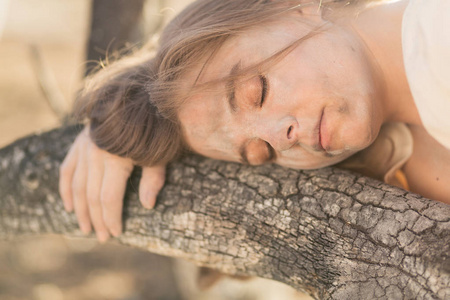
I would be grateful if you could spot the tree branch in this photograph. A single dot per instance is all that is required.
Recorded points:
(329, 232)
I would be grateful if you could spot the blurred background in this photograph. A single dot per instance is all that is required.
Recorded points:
(44, 47)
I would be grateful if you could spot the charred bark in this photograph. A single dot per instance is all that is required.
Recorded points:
(329, 232)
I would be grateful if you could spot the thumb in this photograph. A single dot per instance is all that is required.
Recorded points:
(151, 183)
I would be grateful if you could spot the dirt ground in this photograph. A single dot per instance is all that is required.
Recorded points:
(55, 268)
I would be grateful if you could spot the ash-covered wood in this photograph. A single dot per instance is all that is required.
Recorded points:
(329, 232)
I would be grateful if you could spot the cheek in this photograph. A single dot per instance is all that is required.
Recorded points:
(337, 57)
(355, 126)
(302, 78)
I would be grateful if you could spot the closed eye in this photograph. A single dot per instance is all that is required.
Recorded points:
(263, 80)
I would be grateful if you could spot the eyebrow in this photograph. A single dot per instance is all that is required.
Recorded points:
(231, 97)
(231, 87)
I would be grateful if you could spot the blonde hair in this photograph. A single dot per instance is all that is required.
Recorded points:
(132, 104)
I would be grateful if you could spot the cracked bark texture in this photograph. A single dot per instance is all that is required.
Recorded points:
(329, 232)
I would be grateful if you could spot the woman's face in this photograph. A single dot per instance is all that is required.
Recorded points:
(315, 107)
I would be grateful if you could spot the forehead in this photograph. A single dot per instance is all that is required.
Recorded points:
(250, 46)
(205, 118)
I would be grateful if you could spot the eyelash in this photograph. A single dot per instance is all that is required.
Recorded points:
(263, 89)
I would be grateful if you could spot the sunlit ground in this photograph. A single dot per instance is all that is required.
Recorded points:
(54, 268)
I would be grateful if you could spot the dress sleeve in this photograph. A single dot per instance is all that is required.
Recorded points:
(426, 52)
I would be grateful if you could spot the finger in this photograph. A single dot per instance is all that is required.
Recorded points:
(113, 189)
(66, 172)
(94, 183)
(79, 194)
(151, 183)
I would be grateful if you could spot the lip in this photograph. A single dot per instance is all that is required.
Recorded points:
(324, 138)
(320, 145)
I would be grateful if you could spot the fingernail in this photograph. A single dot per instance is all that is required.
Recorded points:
(102, 236)
(150, 201)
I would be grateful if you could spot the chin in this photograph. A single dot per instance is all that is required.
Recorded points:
(343, 155)
(361, 138)
(332, 159)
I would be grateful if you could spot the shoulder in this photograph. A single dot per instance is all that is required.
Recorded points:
(427, 170)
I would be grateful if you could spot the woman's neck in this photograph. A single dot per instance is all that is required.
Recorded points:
(380, 28)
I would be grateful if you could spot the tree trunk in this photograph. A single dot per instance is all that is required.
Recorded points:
(115, 25)
(329, 232)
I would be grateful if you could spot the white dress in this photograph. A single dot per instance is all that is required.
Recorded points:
(426, 51)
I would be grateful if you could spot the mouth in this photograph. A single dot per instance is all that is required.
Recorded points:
(320, 146)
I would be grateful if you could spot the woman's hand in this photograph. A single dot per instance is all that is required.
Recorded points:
(92, 182)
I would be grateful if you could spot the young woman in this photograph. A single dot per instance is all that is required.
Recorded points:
(300, 83)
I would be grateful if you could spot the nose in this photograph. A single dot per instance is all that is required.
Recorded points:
(281, 134)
